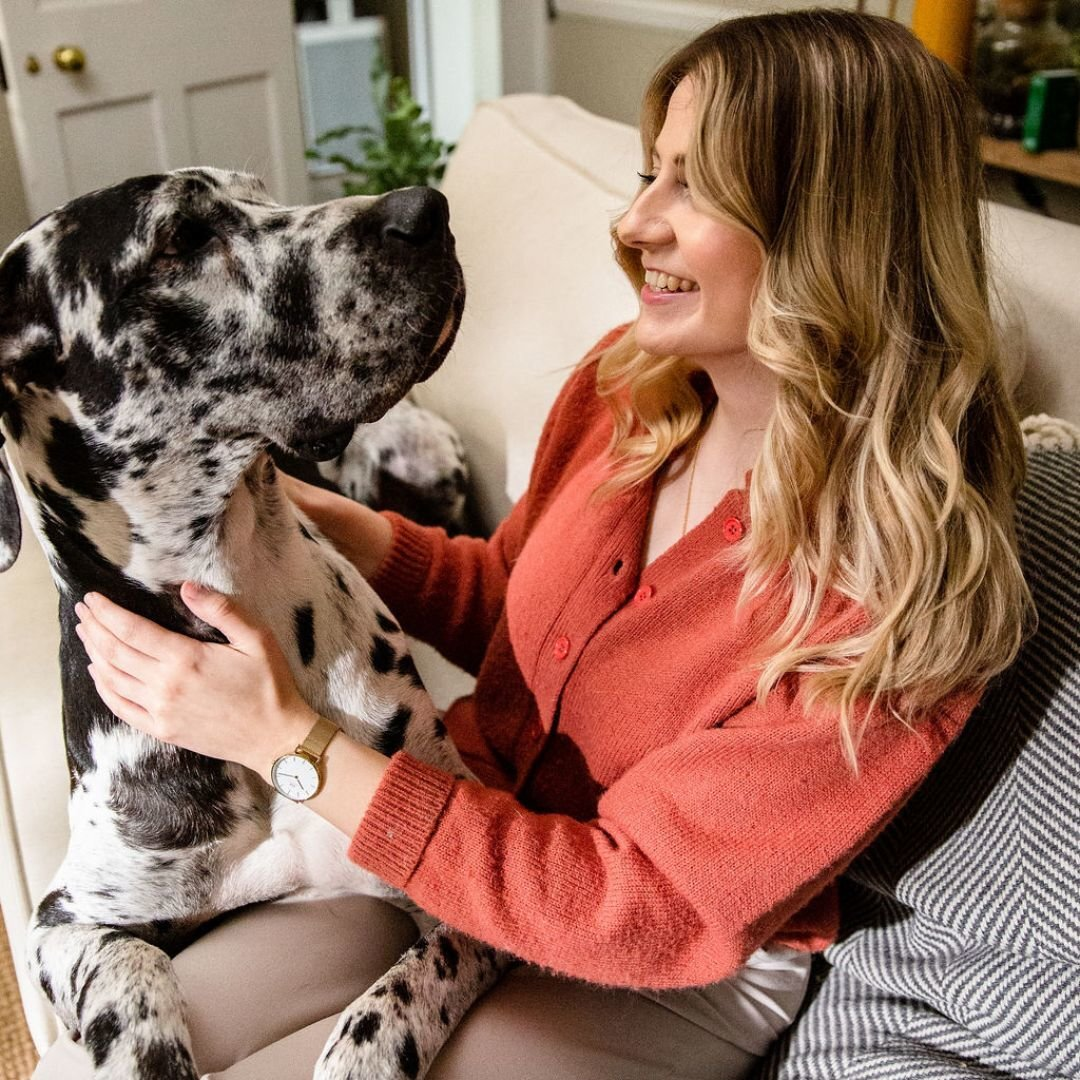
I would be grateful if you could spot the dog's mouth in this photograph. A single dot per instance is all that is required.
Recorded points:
(325, 445)
(447, 335)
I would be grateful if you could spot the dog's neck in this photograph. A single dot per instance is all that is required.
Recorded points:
(206, 513)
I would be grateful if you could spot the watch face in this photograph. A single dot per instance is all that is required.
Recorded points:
(295, 777)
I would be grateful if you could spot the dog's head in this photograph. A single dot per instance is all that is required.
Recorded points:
(189, 309)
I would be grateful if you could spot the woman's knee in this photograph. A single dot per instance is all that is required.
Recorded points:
(273, 969)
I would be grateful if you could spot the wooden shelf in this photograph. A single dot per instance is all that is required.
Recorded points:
(1060, 165)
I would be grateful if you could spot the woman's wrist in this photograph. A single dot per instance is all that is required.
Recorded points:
(351, 774)
(291, 730)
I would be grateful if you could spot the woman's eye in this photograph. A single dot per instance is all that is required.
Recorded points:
(646, 178)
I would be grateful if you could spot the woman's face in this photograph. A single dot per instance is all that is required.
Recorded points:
(700, 271)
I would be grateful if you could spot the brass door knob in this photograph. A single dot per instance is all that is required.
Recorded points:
(69, 58)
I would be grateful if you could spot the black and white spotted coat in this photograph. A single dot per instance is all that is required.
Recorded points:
(156, 338)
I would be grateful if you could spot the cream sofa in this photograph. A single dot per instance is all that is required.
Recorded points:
(534, 185)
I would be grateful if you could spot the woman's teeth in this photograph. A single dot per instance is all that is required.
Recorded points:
(668, 282)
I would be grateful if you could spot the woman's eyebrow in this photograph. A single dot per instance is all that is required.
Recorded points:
(679, 160)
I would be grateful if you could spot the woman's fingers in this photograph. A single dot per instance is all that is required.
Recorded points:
(115, 702)
(140, 634)
(103, 646)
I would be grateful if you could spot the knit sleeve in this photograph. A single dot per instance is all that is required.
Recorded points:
(450, 591)
(699, 854)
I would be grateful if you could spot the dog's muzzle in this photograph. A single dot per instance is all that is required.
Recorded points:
(326, 444)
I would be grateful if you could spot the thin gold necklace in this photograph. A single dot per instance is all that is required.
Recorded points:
(690, 486)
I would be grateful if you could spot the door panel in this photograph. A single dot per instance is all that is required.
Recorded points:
(128, 128)
(166, 84)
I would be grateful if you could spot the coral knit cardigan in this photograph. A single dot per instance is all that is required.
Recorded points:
(641, 820)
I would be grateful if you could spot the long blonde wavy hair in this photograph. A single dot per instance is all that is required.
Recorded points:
(891, 464)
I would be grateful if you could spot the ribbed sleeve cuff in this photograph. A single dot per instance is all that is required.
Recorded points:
(400, 819)
(406, 564)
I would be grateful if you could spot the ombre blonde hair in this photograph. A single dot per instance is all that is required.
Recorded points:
(891, 464)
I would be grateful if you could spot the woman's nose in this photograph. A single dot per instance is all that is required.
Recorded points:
(644, 224)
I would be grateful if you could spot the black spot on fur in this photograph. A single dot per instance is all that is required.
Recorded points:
(87, 982)
(448, 956)
(146, 450)
(392, 738)
(408, 1056)
(52, 911)
(165, 1059)
(400, 989)
(407, 666)
(382, 655)
(198, 411)
(387, 625)
(95, 378)
(46, 986)
(342, 584)
(180, 334)
(201, 525)
(304, 533)
(100, 1034)
(440, 728)
(81, 465)
(92, 232)
(290, 297)
(172, 800)
(366, 1028)
(304, 629)
(444, 1016)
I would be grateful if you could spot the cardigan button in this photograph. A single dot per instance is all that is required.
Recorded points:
(561, 648)
(733, 530)
(645, 593)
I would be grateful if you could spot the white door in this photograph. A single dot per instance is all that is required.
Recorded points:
(166, 83)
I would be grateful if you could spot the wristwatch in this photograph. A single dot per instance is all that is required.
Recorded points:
(299, 775)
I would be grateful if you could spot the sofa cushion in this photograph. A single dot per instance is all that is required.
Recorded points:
(959, 954)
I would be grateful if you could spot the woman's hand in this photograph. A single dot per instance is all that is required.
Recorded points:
(357, 531)
(236, 701)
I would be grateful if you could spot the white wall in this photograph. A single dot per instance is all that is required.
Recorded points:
(14, 217)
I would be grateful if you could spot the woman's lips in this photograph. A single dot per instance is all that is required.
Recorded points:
(652, 296)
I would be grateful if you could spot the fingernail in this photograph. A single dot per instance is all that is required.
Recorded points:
(79, 629)
(195, 587)
(81, 609)
(89, 599)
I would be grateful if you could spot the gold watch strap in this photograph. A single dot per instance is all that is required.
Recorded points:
(318, 738)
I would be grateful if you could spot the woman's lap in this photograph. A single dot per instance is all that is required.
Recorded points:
(265, 987)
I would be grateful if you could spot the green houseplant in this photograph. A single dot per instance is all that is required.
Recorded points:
(405, 153)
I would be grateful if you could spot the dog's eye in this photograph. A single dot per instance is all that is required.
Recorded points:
(186, 237)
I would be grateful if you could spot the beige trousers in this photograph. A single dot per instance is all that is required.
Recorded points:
(264, 988)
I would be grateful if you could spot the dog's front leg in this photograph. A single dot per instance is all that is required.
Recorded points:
(117, 993)
(396, 1028)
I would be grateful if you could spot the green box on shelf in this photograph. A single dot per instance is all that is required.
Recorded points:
(1053, 111)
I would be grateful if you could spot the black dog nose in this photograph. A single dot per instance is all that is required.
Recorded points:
(414, 216)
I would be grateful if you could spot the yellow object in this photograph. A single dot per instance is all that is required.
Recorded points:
(945, 28)
(69, 58)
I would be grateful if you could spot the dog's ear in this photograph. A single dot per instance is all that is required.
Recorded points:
(10, 525)
(28, 340)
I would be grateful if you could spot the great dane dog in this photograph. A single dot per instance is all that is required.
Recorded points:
(156, 338)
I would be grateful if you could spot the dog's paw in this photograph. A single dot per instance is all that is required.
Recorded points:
(373, 1044)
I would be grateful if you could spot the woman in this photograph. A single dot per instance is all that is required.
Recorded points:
(686, 725)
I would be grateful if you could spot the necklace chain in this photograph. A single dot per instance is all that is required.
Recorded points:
(690, 487)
